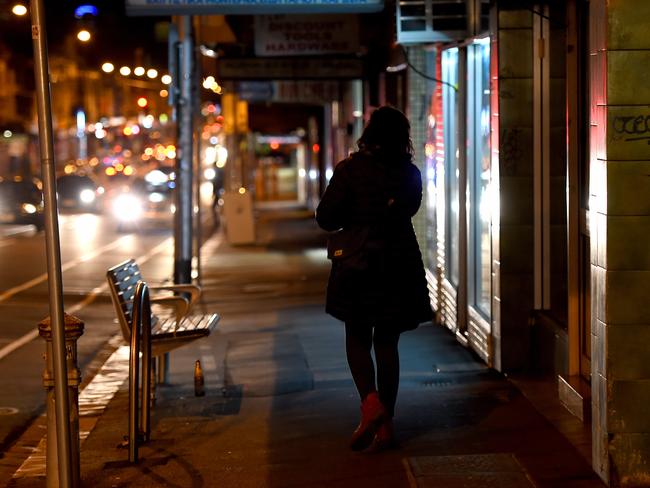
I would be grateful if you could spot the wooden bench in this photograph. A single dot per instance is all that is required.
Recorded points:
(167, 333)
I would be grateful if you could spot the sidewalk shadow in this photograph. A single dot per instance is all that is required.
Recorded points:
(173, 402)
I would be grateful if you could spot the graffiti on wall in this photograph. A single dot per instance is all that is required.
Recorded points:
(632, 128)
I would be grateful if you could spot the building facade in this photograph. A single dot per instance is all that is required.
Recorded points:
(536, 207)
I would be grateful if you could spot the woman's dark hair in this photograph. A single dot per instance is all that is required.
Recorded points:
(388, 130)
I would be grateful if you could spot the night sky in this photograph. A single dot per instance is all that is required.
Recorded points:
(116, 37)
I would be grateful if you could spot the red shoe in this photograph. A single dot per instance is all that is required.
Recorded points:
(373, 414)
(384, 438)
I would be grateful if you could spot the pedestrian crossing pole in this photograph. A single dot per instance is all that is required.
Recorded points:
(66, 478)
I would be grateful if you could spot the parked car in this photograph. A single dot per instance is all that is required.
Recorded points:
(79, 192)
(21, 202)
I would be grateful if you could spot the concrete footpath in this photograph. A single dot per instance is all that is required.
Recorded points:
(280, 404)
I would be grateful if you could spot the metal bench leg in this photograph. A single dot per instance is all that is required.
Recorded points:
(163, 368)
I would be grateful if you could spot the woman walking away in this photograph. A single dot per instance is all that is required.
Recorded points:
(377, 284)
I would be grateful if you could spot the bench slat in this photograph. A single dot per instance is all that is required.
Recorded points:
(193, 325)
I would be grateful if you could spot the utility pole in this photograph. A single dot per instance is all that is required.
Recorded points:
(67, 476)
(185, 121)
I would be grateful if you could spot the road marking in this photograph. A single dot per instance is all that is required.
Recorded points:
(93, 400)
(21, 341)
(70, 264)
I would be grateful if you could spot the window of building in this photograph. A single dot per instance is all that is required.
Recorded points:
(481, 199)
(450, 124)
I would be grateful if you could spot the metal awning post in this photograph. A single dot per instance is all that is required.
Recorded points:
(184, 201)
(52, 245)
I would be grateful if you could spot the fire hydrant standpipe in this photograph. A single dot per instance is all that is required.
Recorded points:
(74, 328)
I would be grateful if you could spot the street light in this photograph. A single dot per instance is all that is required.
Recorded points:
(108, 67)
(19, 9)
(83, 35)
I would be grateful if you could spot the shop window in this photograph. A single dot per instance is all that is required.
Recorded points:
(451, 152)
(481, 198)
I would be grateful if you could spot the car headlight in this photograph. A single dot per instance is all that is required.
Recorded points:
(87, 196)
(28, 208)
(156, 197)
(127, 207)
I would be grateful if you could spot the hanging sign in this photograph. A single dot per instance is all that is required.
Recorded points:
(289, 68)
(250, 7)
(304, 35)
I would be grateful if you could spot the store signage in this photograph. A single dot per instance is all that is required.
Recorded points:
(288, 91)
(289, 68)
(303, 35)
(250, 7)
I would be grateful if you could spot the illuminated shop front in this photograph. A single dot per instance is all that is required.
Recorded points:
(460, 258)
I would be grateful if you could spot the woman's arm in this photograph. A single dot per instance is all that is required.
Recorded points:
(330, 212)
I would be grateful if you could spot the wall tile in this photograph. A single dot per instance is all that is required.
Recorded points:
(627, 352)
(516, 206)
(515, 18)
(627, 77)
(627, 242)
(597, 25)
(598, 185)
(516, 151)
(628, 132)
(514, 95)
(599, 231)
(597, 71)
(517, 294)
(516, 249)
(629, 459)
(627, 409)
(628, 24)
(627, 297)
(598, 293)
(599, 348)
(598, 137)
(515, 53)
(628, 187)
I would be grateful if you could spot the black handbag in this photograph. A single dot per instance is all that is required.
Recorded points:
(348, 247)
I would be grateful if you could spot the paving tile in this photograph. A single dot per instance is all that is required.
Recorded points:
(469, 471)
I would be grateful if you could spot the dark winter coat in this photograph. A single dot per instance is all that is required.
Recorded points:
(366, 190)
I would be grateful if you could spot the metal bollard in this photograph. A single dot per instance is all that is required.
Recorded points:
(74, 328)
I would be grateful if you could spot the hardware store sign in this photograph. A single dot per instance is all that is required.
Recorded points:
(302, 35)
(250, 7)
